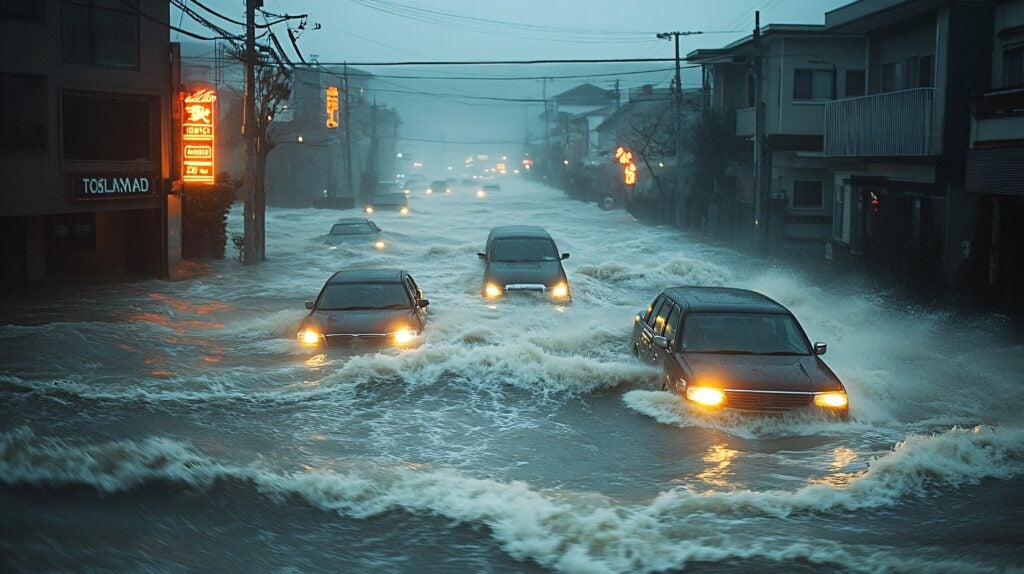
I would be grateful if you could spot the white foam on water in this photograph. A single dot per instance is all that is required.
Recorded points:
(571, 532)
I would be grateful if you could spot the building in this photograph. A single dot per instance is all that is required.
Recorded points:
(85, 131)
(803, 67)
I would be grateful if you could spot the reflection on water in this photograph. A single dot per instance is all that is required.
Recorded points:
(718, 458)
(842, 458)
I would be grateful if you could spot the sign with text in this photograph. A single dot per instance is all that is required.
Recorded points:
(332, 106)
(197, 136)
(113, 185)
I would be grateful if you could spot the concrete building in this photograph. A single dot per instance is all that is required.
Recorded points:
(85, 116)
(803, 68)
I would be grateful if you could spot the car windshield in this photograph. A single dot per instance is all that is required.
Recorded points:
(743, 333)
(352, 229)
(390, 199)
(492, 187)
(510, 250)
(357, 296)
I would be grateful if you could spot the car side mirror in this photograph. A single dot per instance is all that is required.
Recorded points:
(309, 304)
(661, 342)
(422, 303)
(565, 256)
(820, 348)
(481, 255)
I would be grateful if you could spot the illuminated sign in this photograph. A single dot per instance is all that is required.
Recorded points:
(113, 185)
(197, 136)
(332, 107)
(625, 158)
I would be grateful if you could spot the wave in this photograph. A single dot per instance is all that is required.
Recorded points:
(571, 532)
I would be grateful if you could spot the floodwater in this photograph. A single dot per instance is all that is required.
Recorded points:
(174, 426)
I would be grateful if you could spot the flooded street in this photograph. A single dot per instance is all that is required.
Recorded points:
(169, 426)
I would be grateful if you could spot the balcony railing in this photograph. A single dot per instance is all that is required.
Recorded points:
(889, 124)
(1000, 103)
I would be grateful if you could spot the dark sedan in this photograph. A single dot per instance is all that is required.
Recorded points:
(523, 258)
(377, 305)
(352, 230)
(735, 349)
(387, 201)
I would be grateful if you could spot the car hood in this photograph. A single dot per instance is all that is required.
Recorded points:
(762, 372)
(538, 272)
(360, 322)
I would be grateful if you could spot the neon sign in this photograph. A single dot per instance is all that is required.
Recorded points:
(332, 106)
(625, 158)
(197, 136)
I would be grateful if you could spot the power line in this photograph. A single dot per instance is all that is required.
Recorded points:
(502, 62)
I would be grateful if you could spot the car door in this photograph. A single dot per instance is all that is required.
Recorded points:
(642, 328)
(657, 325)
(650, 326)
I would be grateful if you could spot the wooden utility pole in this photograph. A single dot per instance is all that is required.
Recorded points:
(677, 94)
(250, 255)
(760, 178)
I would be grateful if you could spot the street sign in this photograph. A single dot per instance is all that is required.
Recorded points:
(198, 137)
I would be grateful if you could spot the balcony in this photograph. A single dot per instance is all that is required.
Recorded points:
(998, 116)
(881, 125)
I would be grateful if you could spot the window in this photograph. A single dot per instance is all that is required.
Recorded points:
(752, 333)
(109, 127)
(653, 311)
(807, 195)
(662, 318)
(855, 83)
(811, 84)
(101, 33)
(672, 324)
(22, 112)
(892, 76)
(1013, 67)
(926, 71)
(27, 10)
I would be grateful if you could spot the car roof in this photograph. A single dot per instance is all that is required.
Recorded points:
(368, 276)
(519, 231)
(723, 300)
(345, 220)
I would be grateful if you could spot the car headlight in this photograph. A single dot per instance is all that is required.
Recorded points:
(429, 191)
(403, 336)
(492, 291)
(309, 337)
(379, 244)
(833, 400)
(368, 209)
(480, 193)
(706, 396)
(404, 210)
(560, 291)
(447, 190)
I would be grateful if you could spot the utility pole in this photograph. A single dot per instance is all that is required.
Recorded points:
(347, 134)
(678, 93)
(760, 185)
(252, 234)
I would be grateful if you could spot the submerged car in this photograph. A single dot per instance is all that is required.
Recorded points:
(523, 258)
(736, 349)
(354, 230)
(387, 201)
(439, 186)
(375, 305)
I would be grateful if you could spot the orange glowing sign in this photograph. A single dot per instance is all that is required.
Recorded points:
(332, 106)
(197, 136)
(625, 158)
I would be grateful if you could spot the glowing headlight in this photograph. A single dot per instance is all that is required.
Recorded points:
(492, 291)
(404, 210)
(835, 400)
(447, 190)
(560, 291)
(407, 191)
(309, 337)
(705, 396)
(379, 245)
(368, 209)
(429, 191)
(403, 336)
(480, 193)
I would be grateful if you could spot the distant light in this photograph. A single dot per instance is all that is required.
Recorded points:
(449, 168)
(661, 164)
(300, 139)
(504, 158)
(515, 171)
(565, 161)
(398, 155)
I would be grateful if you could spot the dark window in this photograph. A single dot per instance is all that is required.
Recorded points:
(22, 112)
(101, 32)
(356, 296)
(809, 84)
(662, 318)
(743, 333)
(653, 311)
(352, 229)
(109, 128)
(27, 10)
(892, 76)
(510, 250)
(672, 324)
(1013, 67)
(807, 195)
(926, 71)
(854, 83)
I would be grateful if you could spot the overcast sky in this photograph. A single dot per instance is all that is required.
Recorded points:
(439, 30)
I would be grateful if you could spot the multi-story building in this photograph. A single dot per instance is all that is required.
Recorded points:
(803, 67)
(85, 115)
(995, 162)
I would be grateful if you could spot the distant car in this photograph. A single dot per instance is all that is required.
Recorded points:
(523, 258)
(375, 305)
(439, 186)
(735, 349)
(491, 187)
(353, 230)
(387, 201)
(384, 187)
